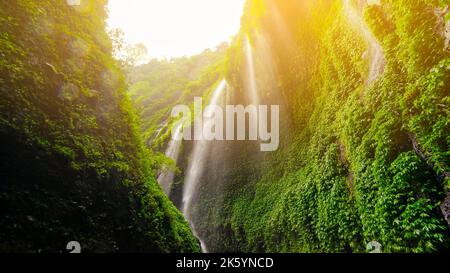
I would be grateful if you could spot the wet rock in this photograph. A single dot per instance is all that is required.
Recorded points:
(447, 36)
(445, 208)
(69, 92)
(443, 26)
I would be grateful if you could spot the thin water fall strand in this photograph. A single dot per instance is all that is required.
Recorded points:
(375, 51)
(173, 150)
(197, 165)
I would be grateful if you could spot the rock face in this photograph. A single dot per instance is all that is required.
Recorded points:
(447, 35)
(445, 208)
(443, 26)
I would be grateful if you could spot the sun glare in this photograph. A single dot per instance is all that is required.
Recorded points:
(175, 28)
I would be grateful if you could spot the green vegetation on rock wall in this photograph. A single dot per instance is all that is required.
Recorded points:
(359, 161)
(73, 166)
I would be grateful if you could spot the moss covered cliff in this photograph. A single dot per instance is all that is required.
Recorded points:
(73, 166)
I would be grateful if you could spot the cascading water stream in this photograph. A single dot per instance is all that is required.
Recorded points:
(377, 59)
(202, 147)
(251, 84)
(197, 164)
(172, 152)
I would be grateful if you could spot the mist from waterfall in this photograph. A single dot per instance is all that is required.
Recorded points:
(377, 60)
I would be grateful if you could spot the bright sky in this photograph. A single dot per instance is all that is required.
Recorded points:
(175, 28)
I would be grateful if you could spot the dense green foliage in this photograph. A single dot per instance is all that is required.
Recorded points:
(360, 161)
(73, 166)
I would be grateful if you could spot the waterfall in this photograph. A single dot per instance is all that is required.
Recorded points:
(197, 164)
(202, 147)
(172, 152)
(251, 84)
(377, 60)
